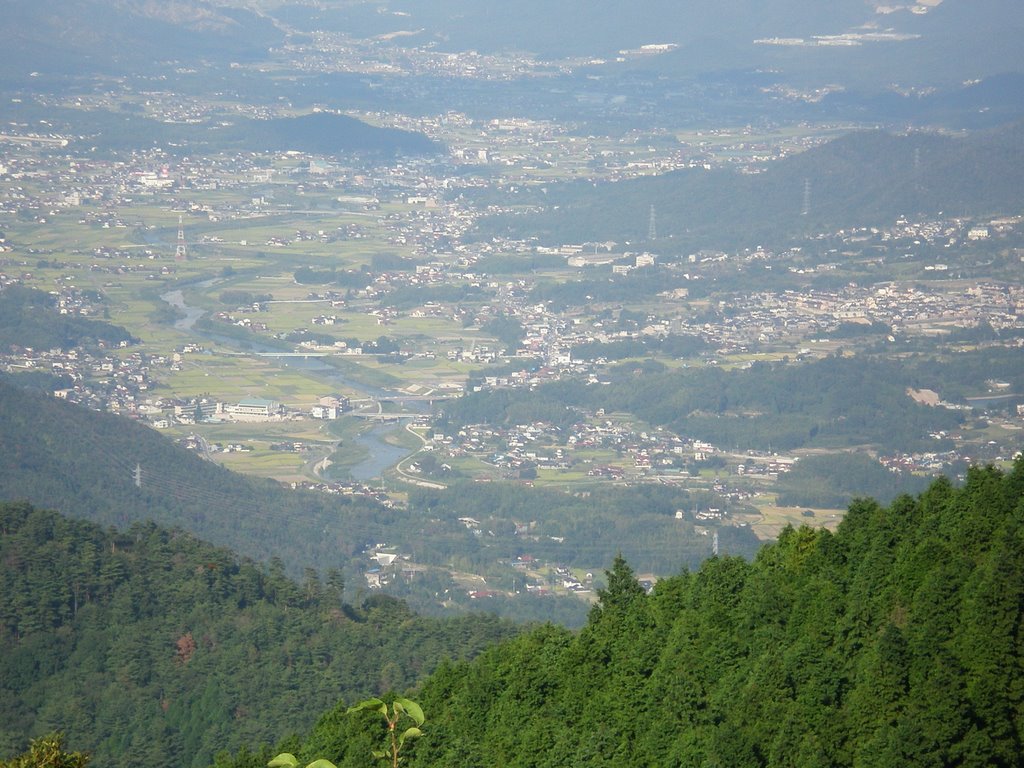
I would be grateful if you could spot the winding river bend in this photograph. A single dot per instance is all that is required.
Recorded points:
(382, 454)
(191, 315)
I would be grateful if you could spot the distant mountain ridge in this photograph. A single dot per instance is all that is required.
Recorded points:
(322, 133)
(846, 41)
(947, 41)
(111, 36)
(329, 133)
(858, 180)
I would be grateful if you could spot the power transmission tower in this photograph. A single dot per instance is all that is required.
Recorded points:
(181, 252)
(137, 475)
(807, 198)
(918, 186)
(652, 227)
(714, 545)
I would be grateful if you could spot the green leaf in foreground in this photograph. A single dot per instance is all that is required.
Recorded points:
(400, 708)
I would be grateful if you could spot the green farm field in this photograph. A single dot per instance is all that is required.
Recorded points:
(231, 378)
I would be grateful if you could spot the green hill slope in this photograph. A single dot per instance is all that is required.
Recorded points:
(859, 180)
(150, 647)
(64, 457)
(82, 463)
(326, 133)
(827, 403)
(29, 318)
(894, 641)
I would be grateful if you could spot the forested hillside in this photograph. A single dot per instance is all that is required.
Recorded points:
(893, 642)
(83, 463)
(859, 180)
(29, 318)
(327, 133)
(150, 647)
(64, 457)
(832, 402)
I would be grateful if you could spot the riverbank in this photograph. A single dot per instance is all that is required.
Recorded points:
(375, 451)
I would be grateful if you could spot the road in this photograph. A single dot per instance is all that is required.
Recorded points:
(410, 477)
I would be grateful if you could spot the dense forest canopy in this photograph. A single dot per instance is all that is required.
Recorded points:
(149, 646)
(893, 641)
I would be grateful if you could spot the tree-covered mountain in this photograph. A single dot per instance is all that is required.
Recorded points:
(114, 471)
(29, 318)
(328, 134)
(151, 647)
(894, 641)
(829, 403)
(86, 464)
(119, 36)
(324, 133)
(862, 179)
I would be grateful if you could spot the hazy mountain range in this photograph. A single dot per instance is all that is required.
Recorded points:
(122, 36)
(857, 42)
(934, 41)
(858, 180)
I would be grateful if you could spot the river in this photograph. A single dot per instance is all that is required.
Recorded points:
(190, 316)
(381, 454)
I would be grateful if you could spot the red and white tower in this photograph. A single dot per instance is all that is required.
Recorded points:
(181, 252)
